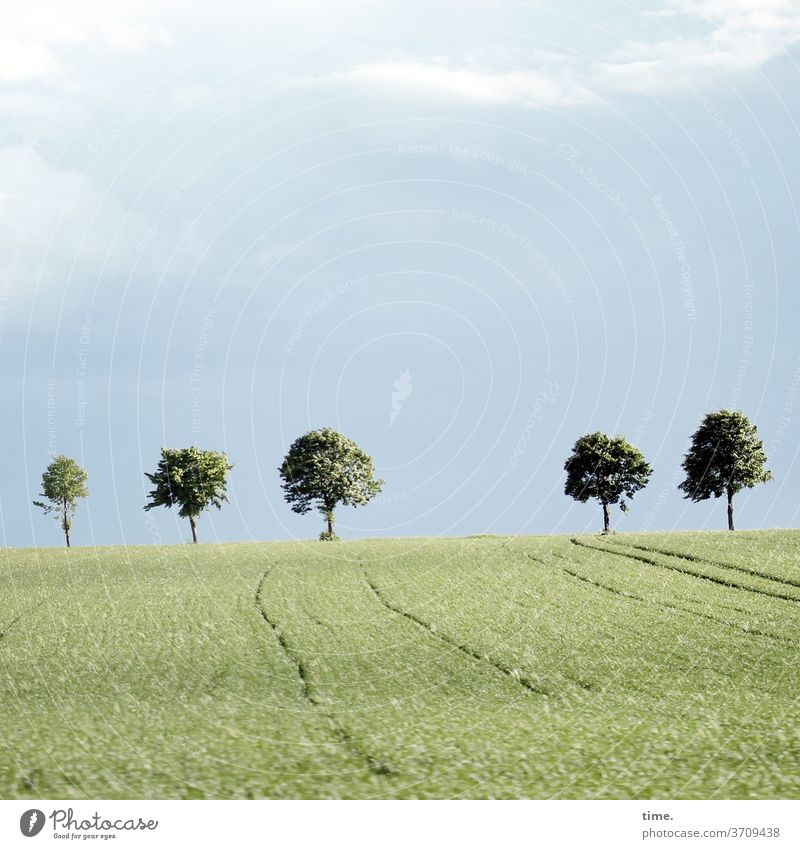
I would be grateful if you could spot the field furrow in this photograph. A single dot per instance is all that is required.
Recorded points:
(336, 727)
(4, 629)
(514, 674)
(696, 558)
(689, 612)
(706, 575)
(302, 674)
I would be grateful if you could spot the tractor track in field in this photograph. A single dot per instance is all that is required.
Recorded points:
(720, 581)
(525, 683)
(345, 738)
(11, 624)
(694, 558)
(632, 597)
(297, 662)
(6, 628)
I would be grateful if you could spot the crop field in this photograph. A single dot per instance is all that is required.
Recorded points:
(625, 666)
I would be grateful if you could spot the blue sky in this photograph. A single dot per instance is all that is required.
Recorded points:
(525, 221)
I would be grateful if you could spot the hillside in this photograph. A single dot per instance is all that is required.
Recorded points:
(657, 665)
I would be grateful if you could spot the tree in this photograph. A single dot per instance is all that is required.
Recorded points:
(192, 479)
(63, 483)
(323, 469)
(725, 456)
(605, 468)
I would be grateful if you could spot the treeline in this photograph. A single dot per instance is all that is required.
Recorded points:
(324, 469)
(724, 457)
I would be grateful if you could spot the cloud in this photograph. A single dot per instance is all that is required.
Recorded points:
(528, 87)
(135, 38)
(21, 62)
(43, 38)
(728, 37)
(697, 37)
(56, 219)
(39, 37)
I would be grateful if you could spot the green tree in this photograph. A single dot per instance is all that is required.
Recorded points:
(190, 478)
(605, 468)
(324, 469)
(725, 456)
(63, 483)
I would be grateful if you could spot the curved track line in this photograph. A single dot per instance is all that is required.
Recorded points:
(721, 581)
(302, 674)
(526, 683)
(724, 604)
(632, 597)
(13, 622)
(375, 765)
(693, 558)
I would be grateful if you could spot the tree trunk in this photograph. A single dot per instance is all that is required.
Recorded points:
(65, 525)
(193, 525)
(66, 534)
(605, 518)
(730, 510)
(330, 521)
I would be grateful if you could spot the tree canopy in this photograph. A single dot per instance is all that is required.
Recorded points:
(63, 483)
(605, 468)
(191, 479)
(323, 469)
(725, 456)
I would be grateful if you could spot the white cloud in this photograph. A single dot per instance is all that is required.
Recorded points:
(465, 83)
(56, 217)
(38, 35)
(20, 61)
(698, 37)
(41, 38)
(732, 36)
(135, 37)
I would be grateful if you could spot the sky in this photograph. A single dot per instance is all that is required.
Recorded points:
(462, 233)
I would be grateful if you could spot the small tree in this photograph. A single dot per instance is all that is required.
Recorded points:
(63, 483)
(725, 456)
(605, 468)
(324, 469)
(192, 479)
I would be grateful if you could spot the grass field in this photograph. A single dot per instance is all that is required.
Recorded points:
(651, 666)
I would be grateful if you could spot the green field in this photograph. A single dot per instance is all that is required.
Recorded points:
(627, 666)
